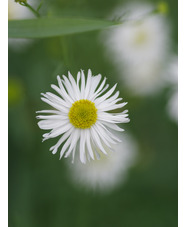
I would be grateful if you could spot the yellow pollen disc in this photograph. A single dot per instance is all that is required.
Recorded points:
(83, 114)
(140, 38)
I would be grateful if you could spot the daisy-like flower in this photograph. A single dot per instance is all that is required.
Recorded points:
(139, 47)
(82, 116)
(110, 171)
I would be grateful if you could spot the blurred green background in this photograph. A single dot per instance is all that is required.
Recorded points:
(40, 190)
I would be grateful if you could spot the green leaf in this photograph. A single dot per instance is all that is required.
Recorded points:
(50, 27)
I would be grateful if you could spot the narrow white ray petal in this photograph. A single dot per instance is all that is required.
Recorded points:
(60, 141)
(88, 143)
(57, 99)
(69, 88)
(106, 95)
(103, 130)
(103, 90)
(112, 126)
(106, 140)
(112, 98)
(115, 106)
(63, 91)
(97, 140)
(75, 138)
(95, 94)
(88, 156)
(58, 131)
(88, 85)
(106, 103)
(65, 146)
(78, 78)
(50, 124)
(58, 90)
(108, 117)
(82, 84)
(73, 154)
(94, 84)
(49, 111)
(96, 153)
(75, 87)
(110, 134)
(53, 117)
(82, 146)
(55, 105)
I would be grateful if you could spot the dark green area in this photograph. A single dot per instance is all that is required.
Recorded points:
(40, 190)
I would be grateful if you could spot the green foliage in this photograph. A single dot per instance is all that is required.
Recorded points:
(51, 27)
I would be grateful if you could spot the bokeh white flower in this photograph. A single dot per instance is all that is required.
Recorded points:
(83, 116)
(110, 171)
(139, 47)
(171, 76)
(18, 12)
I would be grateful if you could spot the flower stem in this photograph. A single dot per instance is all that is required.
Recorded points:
(36, 13)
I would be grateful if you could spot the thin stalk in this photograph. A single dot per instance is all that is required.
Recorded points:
(36, 13)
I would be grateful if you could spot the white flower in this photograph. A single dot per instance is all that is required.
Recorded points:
(110, 171)
(139, 47)
(171, 76)
(172, 106)
(16, 11)
(82, 116)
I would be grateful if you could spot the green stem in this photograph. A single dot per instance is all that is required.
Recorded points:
(30, 7)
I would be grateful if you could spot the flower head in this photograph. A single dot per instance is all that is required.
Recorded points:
(82, 116)
(110, 171)
(140, 47)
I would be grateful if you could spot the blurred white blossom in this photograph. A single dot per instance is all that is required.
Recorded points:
(171, 76)
(139, 47)
(18, 12)
(110, 171)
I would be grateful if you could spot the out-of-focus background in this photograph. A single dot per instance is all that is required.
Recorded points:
(42, 190)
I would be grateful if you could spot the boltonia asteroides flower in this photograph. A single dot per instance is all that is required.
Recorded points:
(82, 116)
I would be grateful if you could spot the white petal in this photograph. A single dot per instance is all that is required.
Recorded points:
(58, 131)
(97, 140)
(88, 85)
(63, 91)
(65, 146)
(88, 143)
(56, 99)
(82, 84)
(70, 88)
(55, 105)
(114, 107)
(82, 146)
(49, 111)
(75, 138)
(53, 117)
(112, 126)
(75, 87)
(108, 94)
(50, 124)
(60, 141)
(94, 84)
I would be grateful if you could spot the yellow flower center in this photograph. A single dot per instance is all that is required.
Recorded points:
(83, 114)
(140, 38)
